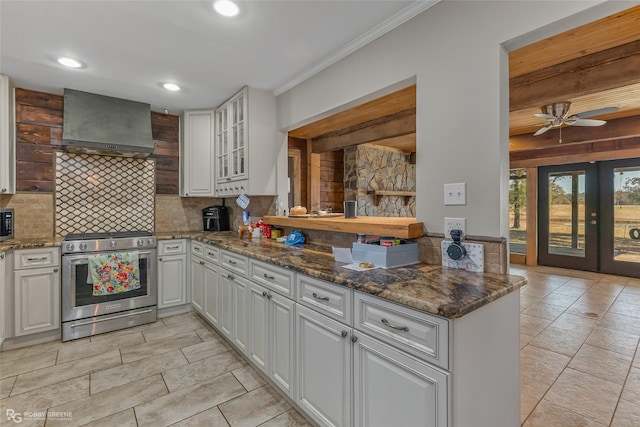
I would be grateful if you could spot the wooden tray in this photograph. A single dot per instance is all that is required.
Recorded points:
(329, 215)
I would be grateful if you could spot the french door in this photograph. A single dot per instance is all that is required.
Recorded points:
(589, 216)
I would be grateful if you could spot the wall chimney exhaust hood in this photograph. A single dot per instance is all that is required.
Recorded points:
(97, 124)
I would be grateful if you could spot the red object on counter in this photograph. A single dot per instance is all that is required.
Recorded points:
(266, 231)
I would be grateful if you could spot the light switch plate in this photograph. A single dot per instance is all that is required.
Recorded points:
(455, 194)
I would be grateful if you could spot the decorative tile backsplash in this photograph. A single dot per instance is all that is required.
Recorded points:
(103, 193)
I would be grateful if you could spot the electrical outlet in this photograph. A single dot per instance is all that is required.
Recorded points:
(454, 224)
(455, 194)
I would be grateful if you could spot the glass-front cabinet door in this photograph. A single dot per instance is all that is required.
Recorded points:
(222, 143)
(237, 124)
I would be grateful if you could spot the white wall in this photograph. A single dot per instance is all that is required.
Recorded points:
(454, 50)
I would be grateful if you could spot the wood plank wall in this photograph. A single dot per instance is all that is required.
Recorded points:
(39, 137)
(332, 180)
(301, 145)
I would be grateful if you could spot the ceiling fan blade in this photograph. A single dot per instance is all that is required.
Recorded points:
(545, 116)
(597, 112)
(586, 122)
(542, 130)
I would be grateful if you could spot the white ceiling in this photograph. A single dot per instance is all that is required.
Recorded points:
(130, 47)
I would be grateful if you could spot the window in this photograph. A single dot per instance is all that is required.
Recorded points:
(517, 210)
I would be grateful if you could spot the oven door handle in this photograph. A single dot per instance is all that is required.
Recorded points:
(90, 322)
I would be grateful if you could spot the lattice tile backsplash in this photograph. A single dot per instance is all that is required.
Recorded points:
(102, 193)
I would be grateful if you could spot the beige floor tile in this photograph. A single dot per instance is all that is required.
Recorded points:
(560, 340)
(46, 397)
(593, 310)
(544, 366)
(210, 418)
(172, 320)
(531, 325)
(630, 297)
(620, 322)
(585, 394)
(582, 283)
(602, 363)
(254, 408)
(126, 418)
(6, 384)
(202, 370)
(607, 288)
(214, 345)
(569, 291)
(636, 360)
(620, 342)
(248, 377)
(172, 330)
(75, 351)
(65, 371)
(620, 307)
(527, 301)
(572, 322)
(291, 418)
(531, 391)
(189, 401)
(106, 403)
(33, 350)
(524, 340)
(537, 290)
(141, 328)
(564, 301)
(15, 367)
(631, 390)
(207, 333)
(548, 415)
(627, 414)
(545, 311)
(119, 375)
(155, 348)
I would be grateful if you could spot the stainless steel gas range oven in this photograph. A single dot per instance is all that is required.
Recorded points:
(85, 314)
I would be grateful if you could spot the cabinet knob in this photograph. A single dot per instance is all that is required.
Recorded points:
(230, 276)
(1, 256)
(159, 259)
(269, 295)
(4, 190)
(55, 270)
(264, 293)
(354, 339)
(201, 262)
(344, 333)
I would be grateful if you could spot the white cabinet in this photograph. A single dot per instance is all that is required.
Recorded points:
(245, 146)
(2, 292)
(271, 335)
(197, 176)
(323, 361)
(212, 293)
(172, 273)
(205, 281)
(197, 284)
(36, 280)
(392, 388)
(225, 309)
(7, 136)
(240, 313)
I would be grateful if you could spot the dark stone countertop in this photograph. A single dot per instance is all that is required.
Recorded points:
(433, 289)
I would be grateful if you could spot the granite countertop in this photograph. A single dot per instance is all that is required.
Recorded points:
(450, 293)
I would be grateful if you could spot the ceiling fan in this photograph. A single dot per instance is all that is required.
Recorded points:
(557, 115)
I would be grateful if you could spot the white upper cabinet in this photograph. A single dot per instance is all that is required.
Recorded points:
(197, 176)
(7, 136)
(246, 144)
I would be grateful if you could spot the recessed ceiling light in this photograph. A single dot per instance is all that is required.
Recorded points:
(69, 62)
(226, 7)
(171, 86)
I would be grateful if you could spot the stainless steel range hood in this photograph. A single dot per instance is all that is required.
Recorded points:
(97, 124)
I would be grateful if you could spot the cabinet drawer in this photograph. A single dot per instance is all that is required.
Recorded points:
(212, 254)
(421, 334)
(197, 248)
(172, 247)
(36, 258)
(275, 278)
(327, 298)
(234, 262)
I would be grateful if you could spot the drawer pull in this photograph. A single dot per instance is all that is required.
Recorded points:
(173, 247)
(44, 258)
(230, 276)
(201, 262)
(385, 322)
(266, 276)
(210, 254)
(319, 297)
(232, 262)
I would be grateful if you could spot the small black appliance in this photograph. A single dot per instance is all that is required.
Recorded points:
(215, 218)
(6, 224)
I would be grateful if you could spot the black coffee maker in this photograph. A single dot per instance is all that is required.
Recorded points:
(215, 218)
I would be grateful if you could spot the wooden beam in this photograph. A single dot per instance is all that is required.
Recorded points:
(402, 123)
(610, 69)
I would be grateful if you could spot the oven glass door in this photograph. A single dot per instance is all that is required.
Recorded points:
(77, 289)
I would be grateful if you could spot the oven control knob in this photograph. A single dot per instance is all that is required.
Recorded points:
(69, 247)
(140, 242)
(83, 246)
(151, 241)
(113, 244)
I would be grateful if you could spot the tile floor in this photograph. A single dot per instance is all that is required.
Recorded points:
(579, 357)
(580, 366)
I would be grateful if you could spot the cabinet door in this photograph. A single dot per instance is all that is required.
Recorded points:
(7, 136)
(258, 316)
(5, 307)
(225, 307)
(323, 359)
(281, 341)
(222, 144)
(240, 313)
(237, 129)
(212, 293)
(392, 388)
(199, 157)
(172, 280)
(37, 300)
(197, 284)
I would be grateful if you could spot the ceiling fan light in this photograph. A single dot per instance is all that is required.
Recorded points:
(557, 109)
